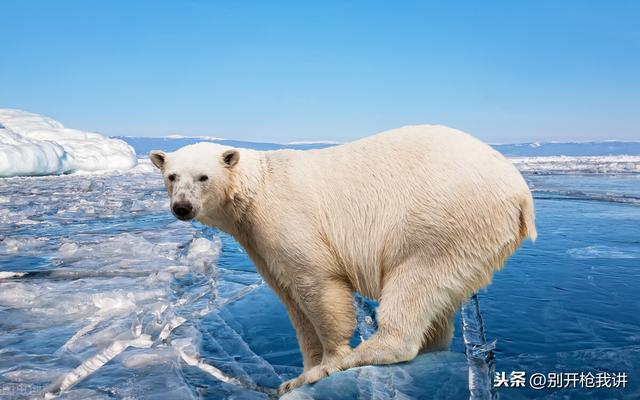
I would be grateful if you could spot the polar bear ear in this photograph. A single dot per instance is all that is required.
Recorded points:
(158, 157)
(230, 157)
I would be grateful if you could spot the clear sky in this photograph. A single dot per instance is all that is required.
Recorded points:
(505, 71)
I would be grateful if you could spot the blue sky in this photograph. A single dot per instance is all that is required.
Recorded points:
(505, 71)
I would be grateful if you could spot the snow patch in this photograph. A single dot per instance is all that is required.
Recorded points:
(578, 165)
(32, 144)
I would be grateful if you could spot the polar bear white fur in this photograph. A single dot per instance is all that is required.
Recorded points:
(418, 218)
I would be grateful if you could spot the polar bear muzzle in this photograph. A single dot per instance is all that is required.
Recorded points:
(183, 210)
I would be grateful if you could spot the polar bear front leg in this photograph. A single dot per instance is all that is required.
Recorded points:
(308, 340)
(328, 303)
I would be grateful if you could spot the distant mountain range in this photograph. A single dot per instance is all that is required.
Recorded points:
(143, 145)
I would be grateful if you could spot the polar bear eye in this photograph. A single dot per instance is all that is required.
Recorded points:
(172, 177)
(203, 178)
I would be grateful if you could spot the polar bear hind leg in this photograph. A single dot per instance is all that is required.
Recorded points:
(440, 337)
(414, 314)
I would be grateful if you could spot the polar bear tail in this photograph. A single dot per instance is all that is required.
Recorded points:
(527, 219)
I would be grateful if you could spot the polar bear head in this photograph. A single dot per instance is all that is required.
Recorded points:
(196, 177)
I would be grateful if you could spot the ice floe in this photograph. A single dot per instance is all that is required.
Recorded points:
(578, 164)
(32, 144)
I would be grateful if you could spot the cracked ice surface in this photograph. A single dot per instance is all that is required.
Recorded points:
(103, 294)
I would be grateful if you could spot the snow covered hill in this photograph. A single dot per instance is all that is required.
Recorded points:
(32, 144)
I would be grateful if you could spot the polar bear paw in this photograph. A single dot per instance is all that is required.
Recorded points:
(313, 375)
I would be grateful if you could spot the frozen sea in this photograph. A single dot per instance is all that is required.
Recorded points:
(103, 294)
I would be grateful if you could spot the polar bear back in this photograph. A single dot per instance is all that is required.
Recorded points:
(420, 190)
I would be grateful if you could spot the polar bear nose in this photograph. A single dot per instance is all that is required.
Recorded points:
(183, 210)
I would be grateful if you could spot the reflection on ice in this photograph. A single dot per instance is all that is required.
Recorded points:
(601, 251)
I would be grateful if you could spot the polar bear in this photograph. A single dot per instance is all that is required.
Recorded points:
(418, 218)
